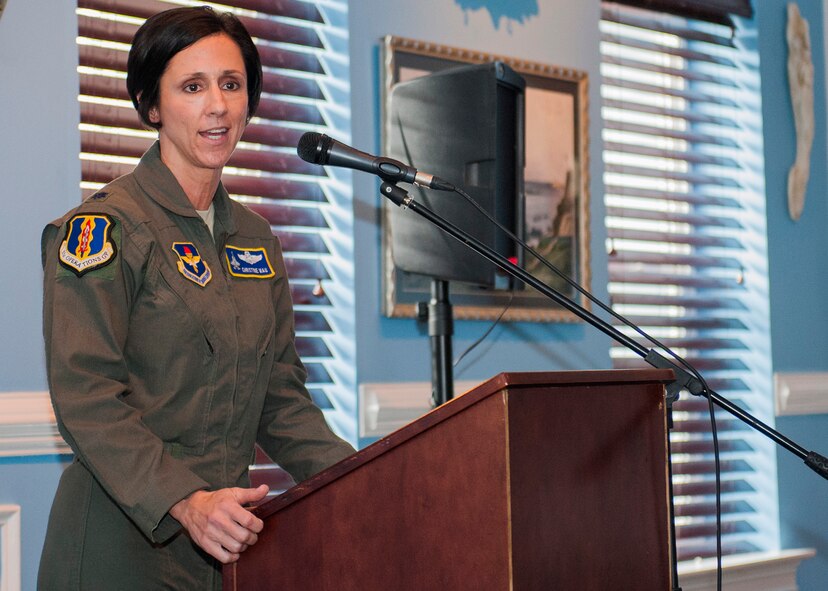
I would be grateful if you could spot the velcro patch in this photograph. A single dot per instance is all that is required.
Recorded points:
(88, 244)
(99, 196)
(190, 263)
(248, 262)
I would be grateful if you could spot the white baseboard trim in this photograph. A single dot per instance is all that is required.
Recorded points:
(800, 393)
(760, 571)
(27, 425)
(9, 547)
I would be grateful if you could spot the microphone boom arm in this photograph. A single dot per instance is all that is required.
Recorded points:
(684, 379)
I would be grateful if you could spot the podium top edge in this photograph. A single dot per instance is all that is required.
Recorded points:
(575, 377)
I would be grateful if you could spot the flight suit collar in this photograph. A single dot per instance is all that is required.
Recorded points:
(161, 185)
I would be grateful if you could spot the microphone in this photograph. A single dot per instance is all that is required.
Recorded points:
(318, 148)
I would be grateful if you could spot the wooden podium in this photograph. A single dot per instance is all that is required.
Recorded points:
(541, 481)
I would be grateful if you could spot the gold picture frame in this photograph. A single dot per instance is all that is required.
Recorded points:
(556, 186)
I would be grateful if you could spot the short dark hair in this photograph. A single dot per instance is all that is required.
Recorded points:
(163, 35)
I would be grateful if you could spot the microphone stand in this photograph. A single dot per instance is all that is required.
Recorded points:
(440, 330)
(684, 379)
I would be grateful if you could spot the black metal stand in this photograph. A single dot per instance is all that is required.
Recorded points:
(440, 331)
(671, 504)
(684, 379)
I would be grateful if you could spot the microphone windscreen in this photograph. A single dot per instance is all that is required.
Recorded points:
(309, 147)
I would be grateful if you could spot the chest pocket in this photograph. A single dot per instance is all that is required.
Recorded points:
(173, 359)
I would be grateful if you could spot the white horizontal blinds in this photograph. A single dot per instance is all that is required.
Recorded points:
(265, 173)
(686, 241)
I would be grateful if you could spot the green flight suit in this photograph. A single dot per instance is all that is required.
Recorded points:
(167, 358)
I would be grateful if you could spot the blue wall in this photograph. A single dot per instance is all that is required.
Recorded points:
(40, 171)
(39, 167)
(798, 279)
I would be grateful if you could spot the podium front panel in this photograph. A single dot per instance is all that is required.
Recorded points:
(589, 487)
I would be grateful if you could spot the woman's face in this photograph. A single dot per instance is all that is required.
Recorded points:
(202, 106)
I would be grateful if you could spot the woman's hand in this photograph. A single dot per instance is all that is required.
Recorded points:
(219, 523)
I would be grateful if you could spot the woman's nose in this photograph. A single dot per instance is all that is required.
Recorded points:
(217, 103)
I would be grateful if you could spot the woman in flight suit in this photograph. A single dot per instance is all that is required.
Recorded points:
(169, 336)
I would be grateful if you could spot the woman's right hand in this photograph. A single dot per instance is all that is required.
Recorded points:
(218, 521)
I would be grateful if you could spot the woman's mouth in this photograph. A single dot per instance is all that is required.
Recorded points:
(214, 134)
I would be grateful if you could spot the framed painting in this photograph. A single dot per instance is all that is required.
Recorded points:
(556, 181)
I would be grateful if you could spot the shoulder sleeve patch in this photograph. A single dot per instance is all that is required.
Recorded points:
(91, 243)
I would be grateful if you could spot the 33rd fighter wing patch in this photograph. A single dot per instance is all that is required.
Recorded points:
(88, 244)
(190, 263)
(248, 262)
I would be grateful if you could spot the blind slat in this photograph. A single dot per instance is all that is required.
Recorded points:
(691, 302)
(274, 57)
(705, 365)
(689, 198)
(705, 343)
(699, 548)
(267, 133)
(274, 188)
(693, 157)
(611, 82)
(692, 136)
(308, 346)
(691, 75)
(705, 508)
(692, 177)
(695, 117)
(279, 214)
(310, 320)
(708, 487)
(665, 50)
(689, 280)
(296, 9)
(134, 147)
(303, 242)
(694, 240)
(302, 295)
(717, 11)
(304, 268)
(705, 447)
(318, 373)
(697, 261)
(694, 219)
(691, 322)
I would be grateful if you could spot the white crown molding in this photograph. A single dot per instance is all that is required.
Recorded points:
(800, 393)
(9, 547)
(28, 426)
(760, 571)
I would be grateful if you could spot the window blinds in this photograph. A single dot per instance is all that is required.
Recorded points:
(684, 197)
(301, 47)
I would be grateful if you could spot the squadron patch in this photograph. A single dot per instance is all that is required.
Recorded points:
(88, 244)
(248, 262)
(190, 263)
